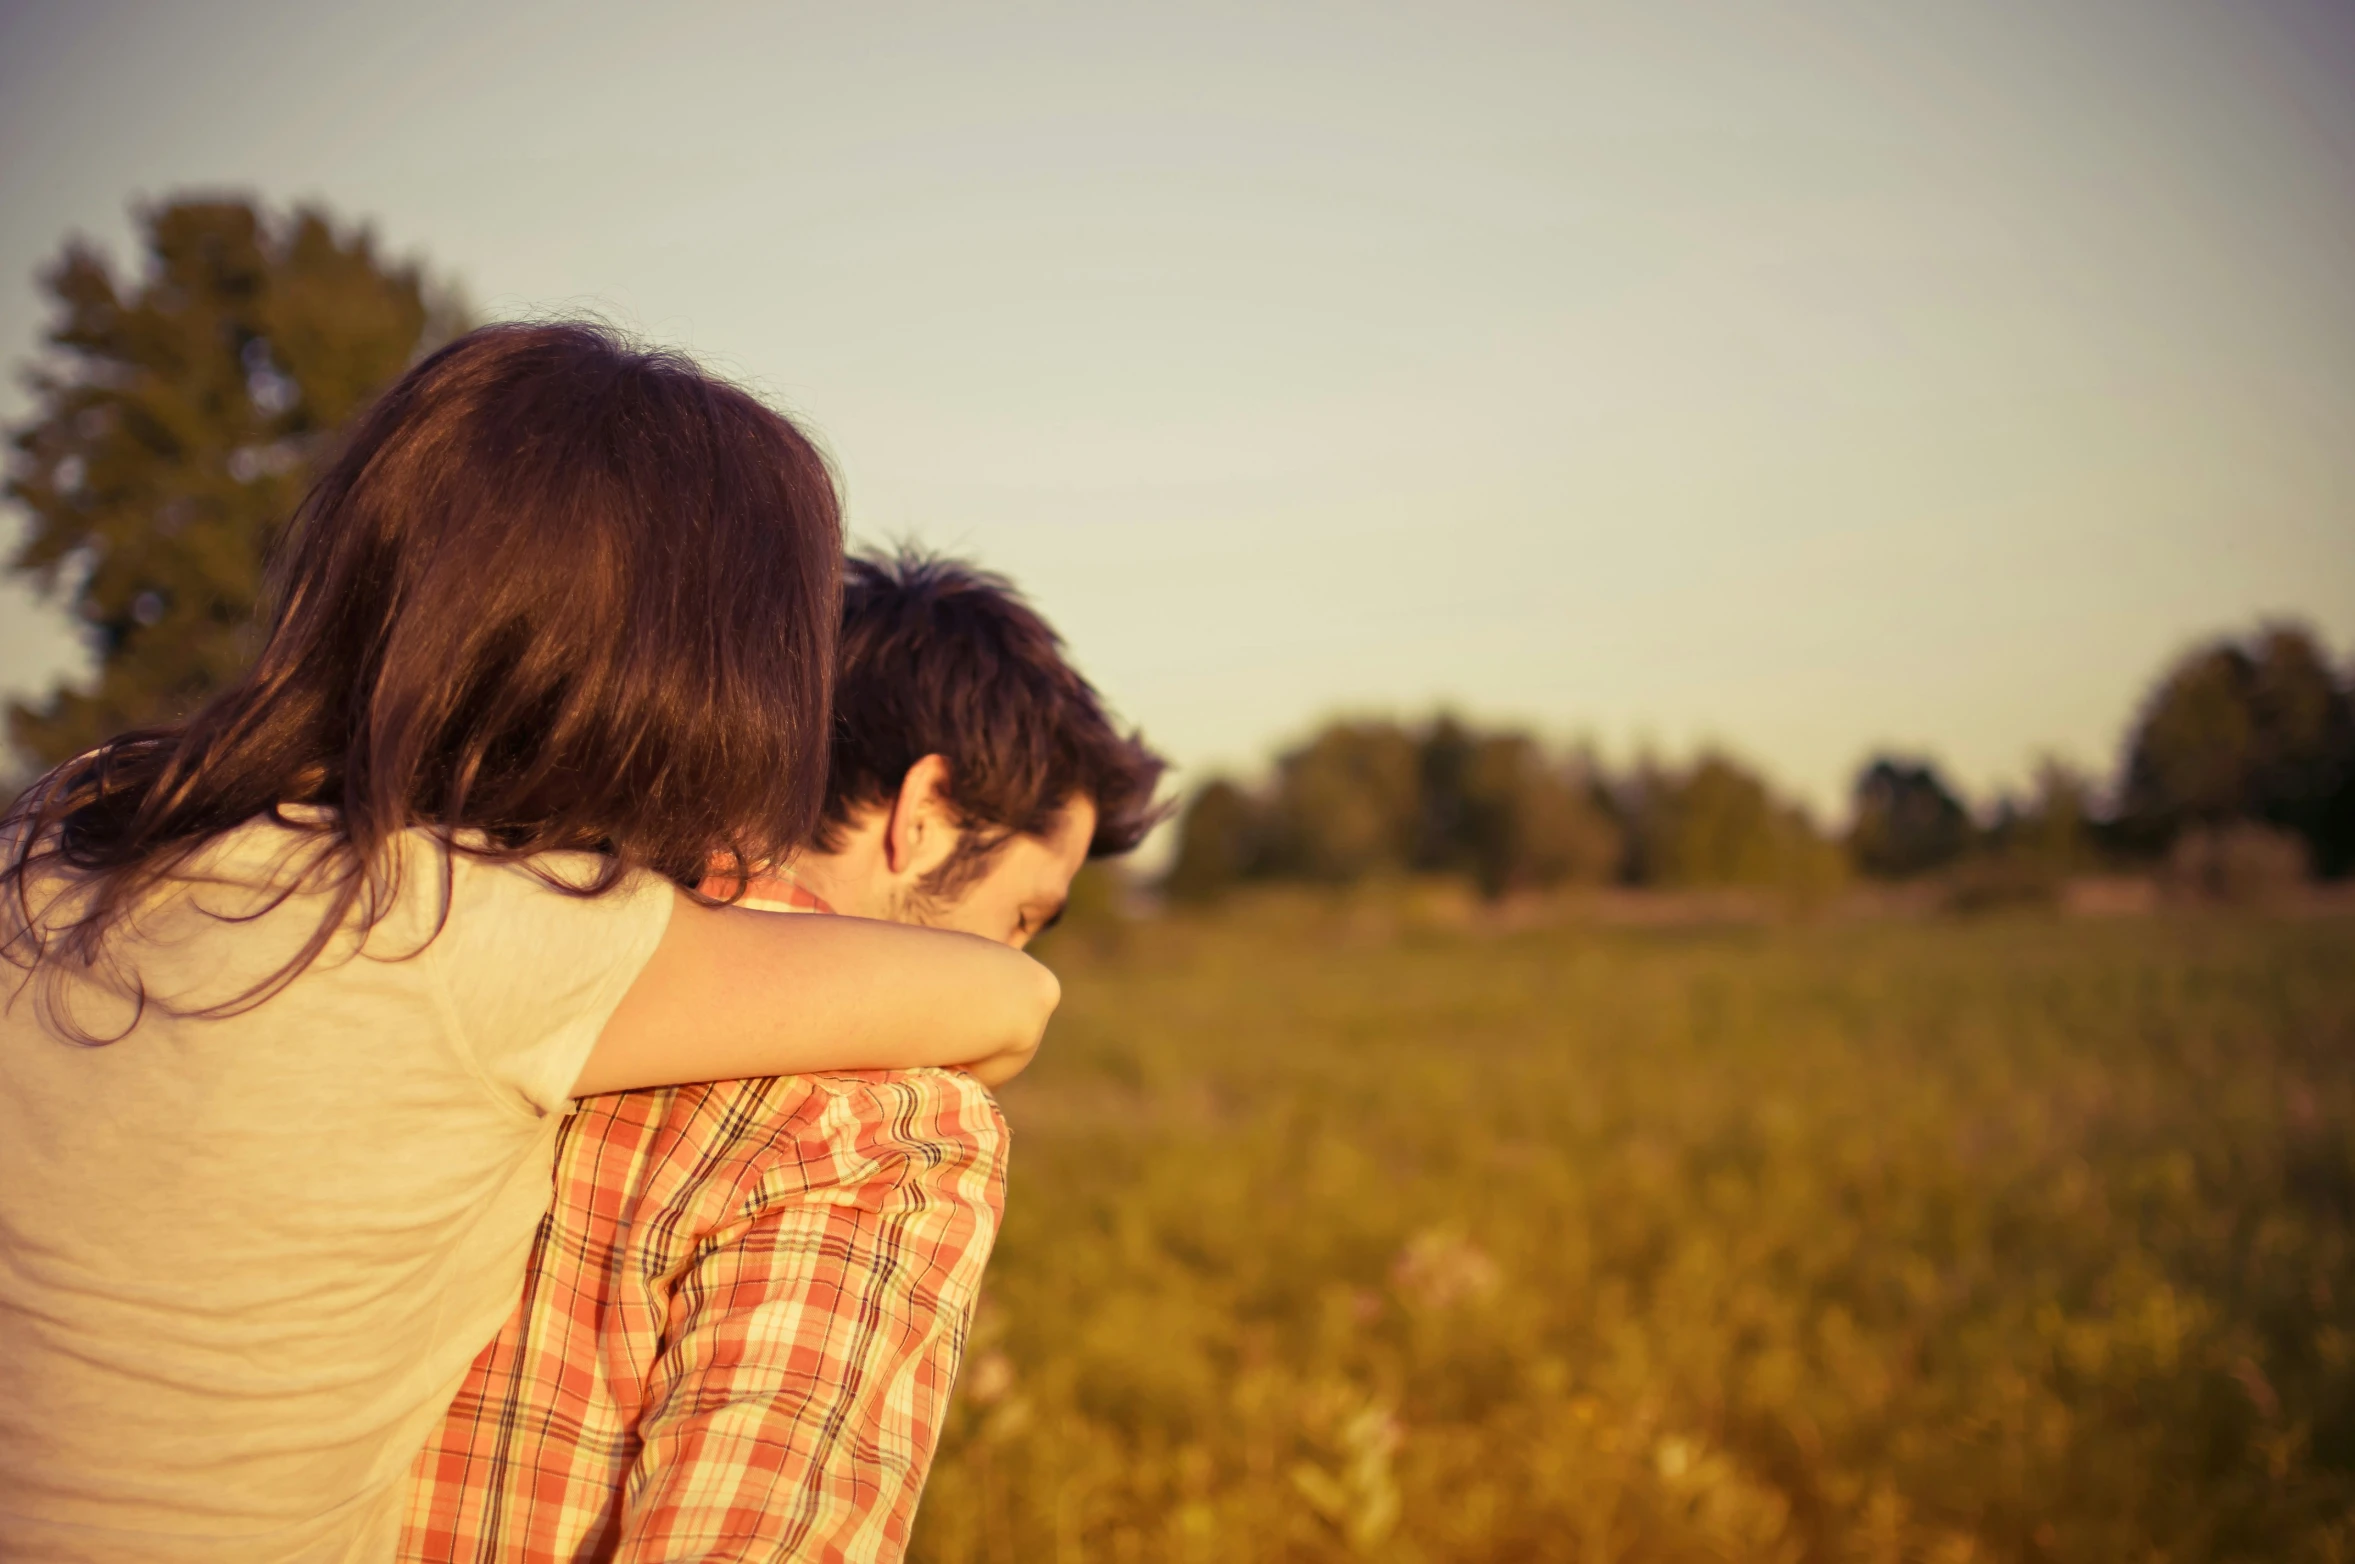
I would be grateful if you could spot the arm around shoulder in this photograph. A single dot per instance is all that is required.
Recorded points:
(731, 994)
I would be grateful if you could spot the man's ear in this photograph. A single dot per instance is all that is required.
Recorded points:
(922, 830)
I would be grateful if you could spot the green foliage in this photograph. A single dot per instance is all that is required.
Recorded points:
(1907, 821)
(1497, 807)
(2016, 1240)
(1348, 803)
(2054, 829)
(2032, 847)
(1219, 842)
(1717, 823)
(1365, 799)
(177, 416)
(2258, 731)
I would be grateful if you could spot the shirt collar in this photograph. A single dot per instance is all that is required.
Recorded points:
(773, 890)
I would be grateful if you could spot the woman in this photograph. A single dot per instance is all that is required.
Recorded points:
(304, 984)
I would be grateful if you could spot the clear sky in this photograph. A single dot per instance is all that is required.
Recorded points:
(1806, 378)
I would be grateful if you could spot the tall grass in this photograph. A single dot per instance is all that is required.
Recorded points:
(2014, 1239)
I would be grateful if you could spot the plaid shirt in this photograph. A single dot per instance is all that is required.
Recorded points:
(739, 1330)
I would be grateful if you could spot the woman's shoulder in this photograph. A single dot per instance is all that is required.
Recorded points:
(293, 867)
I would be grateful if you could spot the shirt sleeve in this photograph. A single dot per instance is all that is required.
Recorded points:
(812, 1344)
(534, 971)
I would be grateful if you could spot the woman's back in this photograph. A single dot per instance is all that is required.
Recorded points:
(551, 593)
(572, 605)
(244, 1260)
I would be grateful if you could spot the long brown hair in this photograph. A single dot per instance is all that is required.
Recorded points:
(556, 592)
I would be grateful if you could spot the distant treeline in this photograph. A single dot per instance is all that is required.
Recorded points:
(2240, 764)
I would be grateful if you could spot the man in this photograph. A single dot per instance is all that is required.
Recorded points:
(745, 1308)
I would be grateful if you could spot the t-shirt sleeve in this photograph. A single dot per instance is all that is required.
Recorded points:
(534, 972)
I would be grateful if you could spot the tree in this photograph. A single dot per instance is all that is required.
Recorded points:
(2258, 731)
(1907, 821)
(1362, 798)
(1527, 822)
(2051, 832)
(1348, 803)
(177, 417)
(1220, 840)
(1443, 762)
(1717, 823)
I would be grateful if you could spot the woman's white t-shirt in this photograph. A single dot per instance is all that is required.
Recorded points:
(245, 1262)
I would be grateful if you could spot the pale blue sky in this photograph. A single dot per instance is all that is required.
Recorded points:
(1805, 378)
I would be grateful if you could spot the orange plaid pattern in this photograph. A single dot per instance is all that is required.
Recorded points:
(739, 1331)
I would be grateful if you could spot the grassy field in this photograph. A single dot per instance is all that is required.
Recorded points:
(1335, 1233)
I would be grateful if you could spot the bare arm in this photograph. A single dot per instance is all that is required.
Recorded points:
(732, 994)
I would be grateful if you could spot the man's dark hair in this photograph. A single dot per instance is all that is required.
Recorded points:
(940, 658)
